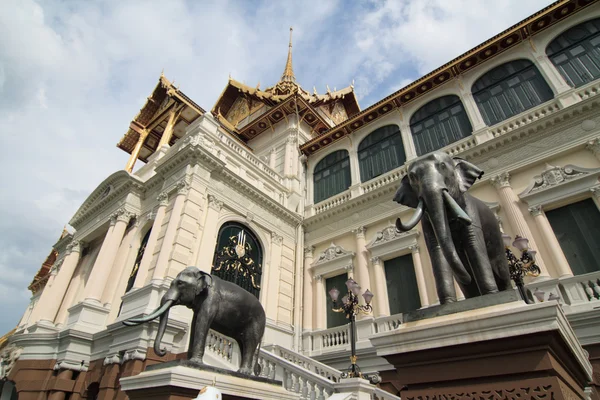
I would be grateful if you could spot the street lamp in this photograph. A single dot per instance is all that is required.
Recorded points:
(519, 268)
(349, 305)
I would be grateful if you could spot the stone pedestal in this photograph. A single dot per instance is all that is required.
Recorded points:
(504, 351)
(180, 380)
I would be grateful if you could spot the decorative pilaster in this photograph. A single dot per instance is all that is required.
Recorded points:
(320, 303)
(421, 285)
(382, 305)
(509, 201)
(362, 263)
(142, 274)
(272, 287)
(209, 233)
(108, 252)
(52, 296)
(551, 242)
(354, 168)
(594, 147)
(307, 295)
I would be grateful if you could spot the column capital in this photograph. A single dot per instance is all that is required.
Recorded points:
(318, 278)
(55, 269)
(594, 146)
(349, 267)
(163, 199)
(501, 181)
(182, 187)
(595, 191)
(308, 251)
(414, 248)
(75, 246)
(276, 238)
(360, 232)
(214, 203)
(292, 140)
(536, 210)
(122, 215)
(376, 260)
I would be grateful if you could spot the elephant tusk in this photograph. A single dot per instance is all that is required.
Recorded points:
(414, 220)
(456, 211)
(158, 312)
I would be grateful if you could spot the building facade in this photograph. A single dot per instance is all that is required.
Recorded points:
(306, 180)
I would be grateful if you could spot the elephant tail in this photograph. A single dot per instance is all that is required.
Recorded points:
(257, 366)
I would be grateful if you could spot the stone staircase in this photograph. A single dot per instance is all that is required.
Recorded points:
(299, 374)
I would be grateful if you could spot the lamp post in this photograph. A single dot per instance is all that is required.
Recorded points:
(349, 305)
(519, 268)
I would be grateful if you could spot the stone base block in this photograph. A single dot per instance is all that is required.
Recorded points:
(88, 316)
(506, 351)
(181, 380)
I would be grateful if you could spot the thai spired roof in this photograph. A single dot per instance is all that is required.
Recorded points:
(248, 115)
(487, 50)
(41, 277)
(153, 116)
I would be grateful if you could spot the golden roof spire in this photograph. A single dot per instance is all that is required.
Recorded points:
(288, 72)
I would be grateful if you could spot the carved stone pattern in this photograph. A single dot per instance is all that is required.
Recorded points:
(375, 260)
(594, 147)
(349, 267)
(553, 176)
(134, 355)
(535, 210)
(163, 199)
(308, 251)
(292, 140)
(387, 234)
(502, 180)
(121, 215)
(541, 392)
(114, 359)
(414, 248)
(360, 232)
(277, 239)
(318, 277)
(182, 187)
(10, 354)
(74, 246)
(595, 191)
(332, 252)
(214, 203)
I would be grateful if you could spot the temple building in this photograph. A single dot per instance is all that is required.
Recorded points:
(306, 181)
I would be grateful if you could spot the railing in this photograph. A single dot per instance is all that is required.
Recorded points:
(524, 118)
(384, 180)
(307, 363)
(335, 337)
(460, 146)
(581, 289)
(253, 160)
(332, 202)
(386, 324)
(588, 91)
(295, 378)
(221, 346)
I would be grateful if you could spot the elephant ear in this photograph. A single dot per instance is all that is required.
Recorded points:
(204, 281)
(467, 173)
(405, 194)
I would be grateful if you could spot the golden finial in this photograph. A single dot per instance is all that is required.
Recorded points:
(352, 84)
(288, 72)
(162, 73)
(328, 90)
(315, 90)
(258, 86)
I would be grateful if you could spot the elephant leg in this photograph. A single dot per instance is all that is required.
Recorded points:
(500, 268)
(248, 345)
(444, 277)
(470, 290)
(200, 335)
(192, 337)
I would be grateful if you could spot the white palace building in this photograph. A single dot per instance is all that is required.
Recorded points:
(309, 179)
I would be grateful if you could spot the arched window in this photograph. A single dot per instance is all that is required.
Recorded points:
(380, 152)
(238, 257)
(576, 53)
(510, 89)
(332, 175)
(438, 123)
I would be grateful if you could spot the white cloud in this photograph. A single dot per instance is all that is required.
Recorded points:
(72, 75)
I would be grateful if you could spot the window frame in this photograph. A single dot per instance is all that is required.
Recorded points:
(393, 138)
(324, 161)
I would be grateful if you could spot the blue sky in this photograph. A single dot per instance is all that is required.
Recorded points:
(73, 74)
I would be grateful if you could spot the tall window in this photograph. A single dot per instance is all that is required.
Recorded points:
(138, 260)
(335, 318)
(332, 175)
(510, 89)
(576, 53)
(238, 257)
(403, 292)
(577, 228)
(439, 123)
(380, 152)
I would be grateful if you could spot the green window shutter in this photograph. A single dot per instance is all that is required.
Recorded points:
(331, 175)
(577, 228)
(381, 151)
(334, 318)
(403, 292)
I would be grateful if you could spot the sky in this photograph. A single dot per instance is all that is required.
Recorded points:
(74, 73)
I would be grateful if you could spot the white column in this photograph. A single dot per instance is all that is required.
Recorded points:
(362, 263)
(380, 298)
(103, 265)
(290, 156)
(319, 311)
(554, 77)
(118, 266)
(52, 296)
(596, 195)
(407, 140)
(509, 201)
(166, 248)
(594, 147)
(551, 242)
(273, 158)
(470, 106)
(354, 168)
(142, 274)
(421, 285)
(307, 296)
(209, 234)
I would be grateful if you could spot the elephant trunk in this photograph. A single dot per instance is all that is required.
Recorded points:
(161, 331)
(436, 208)
(156, 313)
(414, 220)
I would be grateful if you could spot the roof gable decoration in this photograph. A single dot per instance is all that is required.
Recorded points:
(389, 240)
(333, 260)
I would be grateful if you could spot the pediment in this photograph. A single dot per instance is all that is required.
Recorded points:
(332, 260)
(389, 241)
(114, 187)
